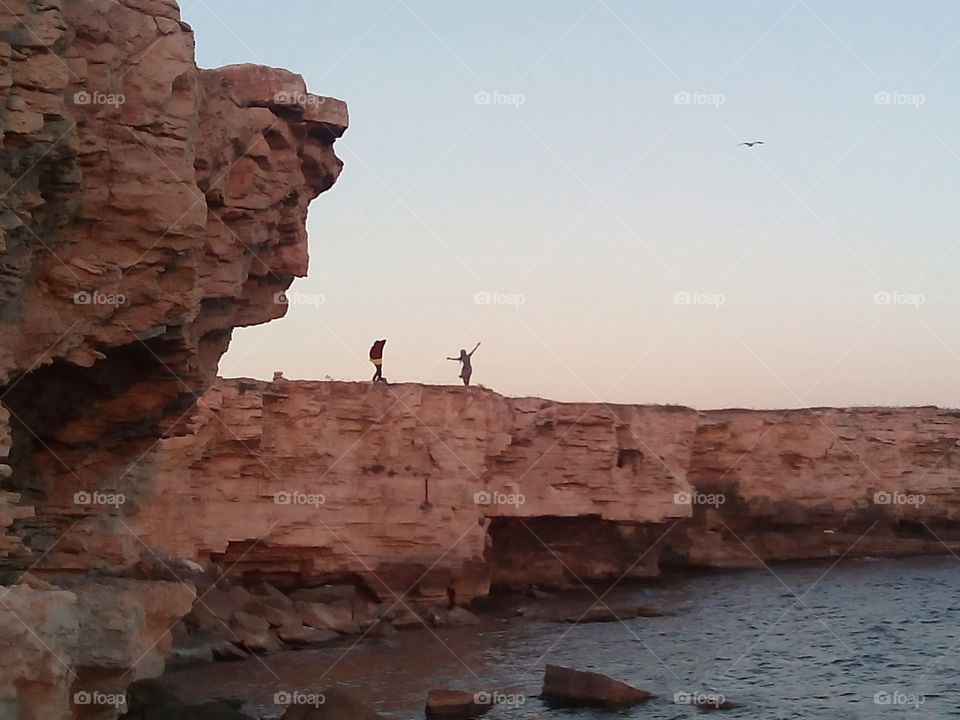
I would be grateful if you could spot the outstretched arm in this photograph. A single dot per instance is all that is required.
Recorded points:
(474, 349)
(450, 358)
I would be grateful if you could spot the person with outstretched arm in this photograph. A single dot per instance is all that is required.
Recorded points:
(376, 357)
(466, 369)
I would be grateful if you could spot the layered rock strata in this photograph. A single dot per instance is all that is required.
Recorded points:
(147, 208)
(440, 492)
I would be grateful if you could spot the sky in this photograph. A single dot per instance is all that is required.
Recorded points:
(562, 181)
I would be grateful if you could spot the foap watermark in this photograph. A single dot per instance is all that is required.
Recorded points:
(88, 498)
(686, 297)
(289, 297)
(495, 497)
(896, 697)
(285, 497)
(486, 297)
(884, 497)
(291, 698)
(495, 97)
(98, 698)
(698, 498)
(95, 297)
(85, 97)
(895, 97)
(697, 97)
(489, 698)
(699, 698)
(897, 297)
(303, 99)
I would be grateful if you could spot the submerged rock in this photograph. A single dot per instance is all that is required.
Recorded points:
(338, 704)
(456, 704)
(152, 700)
(566, 687)
(602, 614)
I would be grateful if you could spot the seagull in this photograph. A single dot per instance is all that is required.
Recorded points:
(751, 144)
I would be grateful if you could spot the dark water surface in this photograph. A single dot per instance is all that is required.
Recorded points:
(862, 628)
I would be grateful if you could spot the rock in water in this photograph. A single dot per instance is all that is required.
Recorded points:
(338, 704)
(602, 614)
(566, 687)
(456, 704)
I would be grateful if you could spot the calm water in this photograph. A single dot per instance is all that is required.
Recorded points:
(864, 627)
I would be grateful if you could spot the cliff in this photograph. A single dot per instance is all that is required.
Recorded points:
(147, 208)
(445, 490)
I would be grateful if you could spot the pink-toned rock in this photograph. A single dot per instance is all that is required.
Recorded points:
(149, 207)
(456, 704)
(517, 491)
(39, 632)
(278, 618)
(297, 635)
(249, 622)
(324, 617)
(566, 687)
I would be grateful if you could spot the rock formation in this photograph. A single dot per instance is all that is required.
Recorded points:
(146, 209)
(442, 491)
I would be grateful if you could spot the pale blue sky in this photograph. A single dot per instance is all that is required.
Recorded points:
(604, 194)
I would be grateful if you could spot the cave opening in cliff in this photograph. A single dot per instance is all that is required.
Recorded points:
(558, 552)
(58, 410)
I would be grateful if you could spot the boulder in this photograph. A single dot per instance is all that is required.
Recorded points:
(339, 704)
(299, 635)
(226, 650)
(152, 700)
(269, 595)
(249, 621)
(457, 704)
(225, 602)
(377, 628)
(278, 617)
(326, 594)
(406, 619)
(324, 617)
(190, 654)
(602, 614)
(459, 616)
(256, 641)
(566, 687)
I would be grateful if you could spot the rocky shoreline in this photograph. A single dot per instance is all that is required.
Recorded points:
(149, 208)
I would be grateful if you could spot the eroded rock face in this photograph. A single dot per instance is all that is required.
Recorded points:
(146, 209)
(824, 482)
(441, 491)
(399, 486)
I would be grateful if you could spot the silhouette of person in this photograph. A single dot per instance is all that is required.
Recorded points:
(466, 369)
(376, 357)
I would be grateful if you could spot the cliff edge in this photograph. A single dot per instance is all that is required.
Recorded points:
(147, 208)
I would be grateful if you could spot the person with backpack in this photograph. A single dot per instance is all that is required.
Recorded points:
(376, 357)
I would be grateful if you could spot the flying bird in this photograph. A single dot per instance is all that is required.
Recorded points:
(751, 144)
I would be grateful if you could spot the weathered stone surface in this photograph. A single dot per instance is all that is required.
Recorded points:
(410, 490)
(324, 617)
(39, 631)
(566, 687)
(148, 208)
(297, 635)
(455, 704)
(424, 495)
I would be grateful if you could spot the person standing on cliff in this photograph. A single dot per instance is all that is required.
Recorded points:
(466, 369)
(376, 357)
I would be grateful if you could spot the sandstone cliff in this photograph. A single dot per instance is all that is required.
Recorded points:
(146, 209)
(443, 490)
